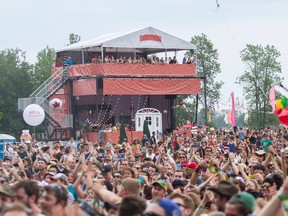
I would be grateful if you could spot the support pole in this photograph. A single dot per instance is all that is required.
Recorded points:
(82, 53)
(205, 101)
(102, 53)
(196, 109)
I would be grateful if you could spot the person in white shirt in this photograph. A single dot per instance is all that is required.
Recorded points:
(8, 150)
(150, 153)
(71, 143)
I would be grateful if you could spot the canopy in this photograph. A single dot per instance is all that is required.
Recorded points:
(148, 40)
(6, 138)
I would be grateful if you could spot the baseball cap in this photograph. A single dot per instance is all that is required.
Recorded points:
(191, 165)
(171, 208)
(224, 188)
(245, 198)
(60, 176)
(260, 152)
(7, 158)
(161, 183)
(105, 169)
(7, 190)
(178, 183)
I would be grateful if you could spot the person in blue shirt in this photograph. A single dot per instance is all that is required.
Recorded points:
(231, 143)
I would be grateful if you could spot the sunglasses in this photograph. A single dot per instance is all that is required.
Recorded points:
(116, 176)
(265, 186)
(2, 181)
(182, 157)
(107, 159)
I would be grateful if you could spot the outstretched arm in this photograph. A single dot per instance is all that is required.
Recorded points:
(107, 196)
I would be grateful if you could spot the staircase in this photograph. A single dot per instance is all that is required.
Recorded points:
(58, 130)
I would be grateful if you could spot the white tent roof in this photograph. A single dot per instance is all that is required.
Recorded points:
(6, 137)
(131, 40)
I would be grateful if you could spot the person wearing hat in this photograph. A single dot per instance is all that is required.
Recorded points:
(62, 180)
(178, 184)
(6, 195)
(106, 172)
(163, 207)
(7, 162)
(222, 193)
(266, 142)
(241, 204)
(159, 189)
(260, 155)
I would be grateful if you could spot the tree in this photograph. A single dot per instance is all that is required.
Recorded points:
(261, 74)
(146, 129)
(208, 67)
(15, 82)
(43, 66)
(74, 38)
(122, 133)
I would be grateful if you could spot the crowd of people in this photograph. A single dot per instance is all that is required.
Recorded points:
(219, 172)
(142, 60)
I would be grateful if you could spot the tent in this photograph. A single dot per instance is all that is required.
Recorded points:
(148, 40)
(4, 138)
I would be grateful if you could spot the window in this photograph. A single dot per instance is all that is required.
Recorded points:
(139, 122)
(149, 120)
(157, 122)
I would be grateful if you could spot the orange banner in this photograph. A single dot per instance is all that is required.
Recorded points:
(118, 69)
(84, 87)
(128, 86)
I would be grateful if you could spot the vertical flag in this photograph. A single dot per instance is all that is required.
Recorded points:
(272, 98)
(233, 116)
(229, 116)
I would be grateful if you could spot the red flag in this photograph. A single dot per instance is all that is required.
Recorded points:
(233, 116)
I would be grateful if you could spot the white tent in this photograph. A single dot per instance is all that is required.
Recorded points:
(148, 40)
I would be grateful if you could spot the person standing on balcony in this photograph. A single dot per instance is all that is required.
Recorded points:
(68, 61)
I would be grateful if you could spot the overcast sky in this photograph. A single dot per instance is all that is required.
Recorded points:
(31, 25)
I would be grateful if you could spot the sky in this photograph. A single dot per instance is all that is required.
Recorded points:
(31, 25)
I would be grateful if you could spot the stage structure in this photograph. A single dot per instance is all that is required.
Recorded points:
(96, 91)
